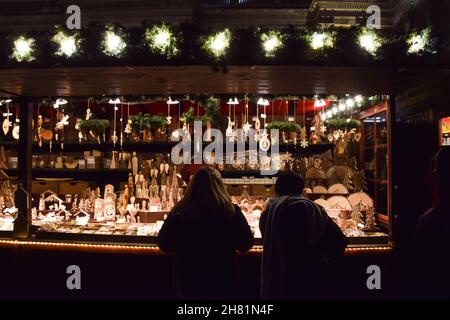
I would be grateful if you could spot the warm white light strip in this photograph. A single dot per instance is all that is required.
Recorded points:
(151, 248)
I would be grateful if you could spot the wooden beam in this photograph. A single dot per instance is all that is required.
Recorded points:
(141, 80)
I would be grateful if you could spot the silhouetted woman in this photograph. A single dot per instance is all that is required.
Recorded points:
(433, 234)
(204, 230)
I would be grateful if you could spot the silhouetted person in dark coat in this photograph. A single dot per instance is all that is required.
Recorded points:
(204, 230)
(300, 240)
(433, 234)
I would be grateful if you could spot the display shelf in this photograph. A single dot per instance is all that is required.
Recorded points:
(151, 146)
(154, 146)
(77, 174)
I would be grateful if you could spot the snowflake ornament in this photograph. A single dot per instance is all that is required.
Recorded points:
(304, 143)
(323, 129)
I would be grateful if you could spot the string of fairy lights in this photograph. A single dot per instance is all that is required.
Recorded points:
(165, 41)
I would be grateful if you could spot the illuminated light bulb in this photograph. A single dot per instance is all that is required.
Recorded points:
(369, 41)
(271, 42)
(113, 44)
(260, 101)
(329, 114)
(321, 40)
(341, 106)
(68, 46)
(23, 49)
(350, 103)
(318, 40)
(170, 101)
(323, 116)
(418, 43)
(218, 43)
(114, 101)
(359, 99)
(334, 110)
(59, 102)
(162, 38)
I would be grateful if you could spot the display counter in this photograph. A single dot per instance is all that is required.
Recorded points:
(37, 269)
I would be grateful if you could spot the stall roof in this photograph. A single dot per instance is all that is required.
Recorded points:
(88, 81)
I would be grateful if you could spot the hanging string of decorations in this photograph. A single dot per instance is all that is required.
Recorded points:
(186, 44)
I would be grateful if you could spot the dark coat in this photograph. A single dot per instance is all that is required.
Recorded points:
(433, 241)
(300, 240)
(205, 252)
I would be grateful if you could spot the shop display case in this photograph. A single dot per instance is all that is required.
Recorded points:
(117, 184)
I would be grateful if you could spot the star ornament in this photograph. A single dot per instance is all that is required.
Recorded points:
(304, 143)
(246, 127)
(323, 129)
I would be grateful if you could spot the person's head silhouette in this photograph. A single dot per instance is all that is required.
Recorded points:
(288, 183)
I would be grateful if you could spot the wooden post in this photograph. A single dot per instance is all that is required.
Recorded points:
(23, 194)
(393, 165)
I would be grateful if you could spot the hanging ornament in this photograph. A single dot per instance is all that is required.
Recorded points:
(323, 129)
(257, 122)
(121, 125)
(235, 123)
(264, 141)
(229, 130)
(39, 129)
(169, 103)
(246, 125)
(114, 137)
(88, 111)
(61, 123)
(357, 136)
(6, 122)
(303, 135)
(129, 122)
(304, 143)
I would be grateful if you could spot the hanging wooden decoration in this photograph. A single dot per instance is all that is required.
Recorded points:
(6, 122)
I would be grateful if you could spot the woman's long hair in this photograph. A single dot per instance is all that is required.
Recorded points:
(205, 196)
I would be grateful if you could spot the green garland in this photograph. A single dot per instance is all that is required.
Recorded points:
(284, 126)
(97, 126)
(342, 124)
(188, 44)
(189, 117)
(141, 122)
